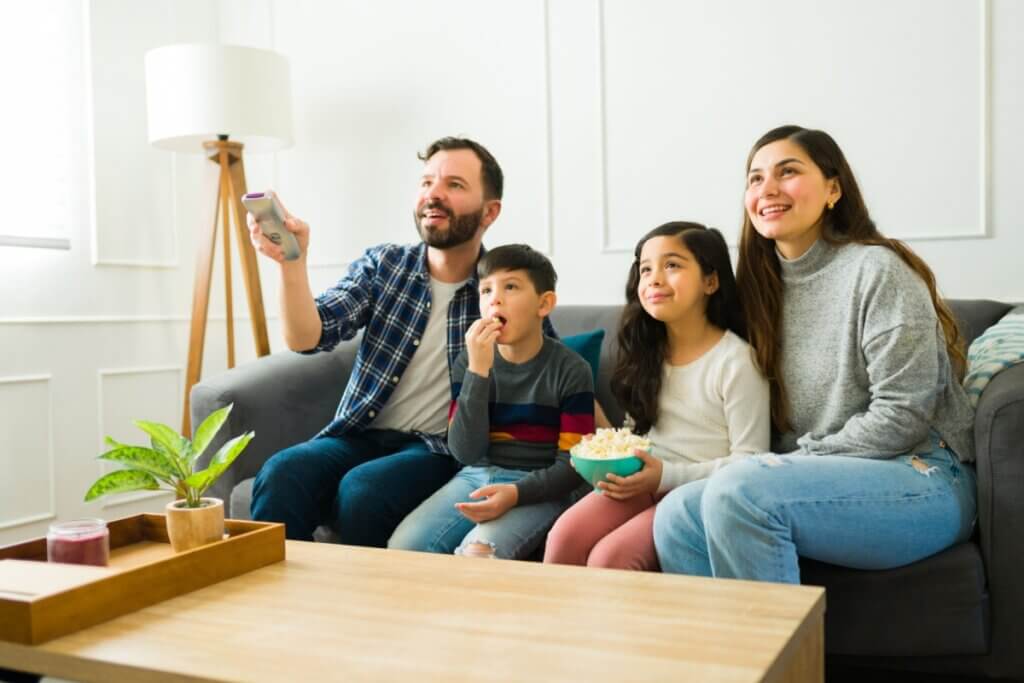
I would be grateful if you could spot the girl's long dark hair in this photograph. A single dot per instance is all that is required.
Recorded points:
(759, 272)
(643, 341)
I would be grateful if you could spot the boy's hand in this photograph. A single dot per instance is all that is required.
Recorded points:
(480, 339)
(500, 499)
(646, 480)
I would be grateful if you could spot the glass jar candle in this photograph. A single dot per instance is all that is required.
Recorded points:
(80, 541)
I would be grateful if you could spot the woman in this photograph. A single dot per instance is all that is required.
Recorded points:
(872, 429)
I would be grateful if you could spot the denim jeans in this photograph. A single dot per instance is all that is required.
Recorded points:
(361, 485)
(752, 519)
(437, 527)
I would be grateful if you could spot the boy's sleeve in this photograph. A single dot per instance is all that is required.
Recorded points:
(469, 421)
(345, 307)
(576, 408)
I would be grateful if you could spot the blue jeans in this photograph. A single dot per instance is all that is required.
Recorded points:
(361, 485)
(752, 519)
(437, 527)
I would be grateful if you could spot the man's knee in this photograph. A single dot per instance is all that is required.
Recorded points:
(272, 474)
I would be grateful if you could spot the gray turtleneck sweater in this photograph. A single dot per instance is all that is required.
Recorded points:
(864, 358)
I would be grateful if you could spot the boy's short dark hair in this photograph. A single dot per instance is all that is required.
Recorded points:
(519, 257)
(493, 179)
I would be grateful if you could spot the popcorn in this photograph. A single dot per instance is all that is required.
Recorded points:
(608, 444)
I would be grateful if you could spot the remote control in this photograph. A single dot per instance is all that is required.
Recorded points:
(268, 212)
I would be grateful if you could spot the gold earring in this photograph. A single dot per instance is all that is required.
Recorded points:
(831, 204)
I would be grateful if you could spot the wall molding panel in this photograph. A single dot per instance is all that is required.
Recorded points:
(110, 141)
(979, 231)
(11, 521)
(104, 396)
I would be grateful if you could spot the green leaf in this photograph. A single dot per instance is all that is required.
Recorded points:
(206, 431)
(221, 461)
(122, 481)
(145, 460)
(114, 443)
(169, 442)
(180, 467)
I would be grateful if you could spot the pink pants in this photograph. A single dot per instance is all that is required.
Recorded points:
(599, 531)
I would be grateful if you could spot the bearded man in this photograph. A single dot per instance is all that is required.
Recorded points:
(385, 451)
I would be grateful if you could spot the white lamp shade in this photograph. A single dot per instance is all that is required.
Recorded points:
(196, 92)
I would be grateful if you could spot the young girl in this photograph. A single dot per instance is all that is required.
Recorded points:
(865, 373)
(686, 378)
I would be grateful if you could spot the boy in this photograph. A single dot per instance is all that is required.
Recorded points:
(520, 401)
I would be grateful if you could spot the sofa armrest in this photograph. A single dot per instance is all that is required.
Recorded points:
(999, 444)
(285, 398)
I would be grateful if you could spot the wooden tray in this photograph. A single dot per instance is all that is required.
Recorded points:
(40, 600)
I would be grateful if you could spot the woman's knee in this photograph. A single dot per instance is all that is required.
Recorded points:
(736, 494)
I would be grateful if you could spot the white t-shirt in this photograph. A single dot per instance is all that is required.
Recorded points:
(710, 411)
(421, 399)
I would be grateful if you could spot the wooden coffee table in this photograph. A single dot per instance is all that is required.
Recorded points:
(333, 612)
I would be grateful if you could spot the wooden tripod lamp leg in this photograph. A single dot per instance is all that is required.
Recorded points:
(225, 209)
(231, 187)
(247, 257)
(200, 307)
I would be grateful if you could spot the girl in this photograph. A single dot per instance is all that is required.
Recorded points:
(864, 364)
(686, 377)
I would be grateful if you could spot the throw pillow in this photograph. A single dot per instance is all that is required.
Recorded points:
(588, 345)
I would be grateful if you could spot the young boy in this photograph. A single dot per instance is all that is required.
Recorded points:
(514, 415)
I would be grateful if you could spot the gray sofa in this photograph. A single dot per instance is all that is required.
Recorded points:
(960, 611)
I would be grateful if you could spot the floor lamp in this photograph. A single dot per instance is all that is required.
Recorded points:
(216, 100)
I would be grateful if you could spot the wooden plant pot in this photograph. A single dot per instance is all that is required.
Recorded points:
(189, 528)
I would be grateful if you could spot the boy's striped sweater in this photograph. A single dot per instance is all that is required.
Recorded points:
(524, 416)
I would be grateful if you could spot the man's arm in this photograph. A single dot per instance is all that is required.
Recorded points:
(299, 315)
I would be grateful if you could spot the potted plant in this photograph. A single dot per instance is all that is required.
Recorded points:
(192, 520)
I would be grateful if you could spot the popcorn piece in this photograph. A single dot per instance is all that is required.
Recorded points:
(608, 444)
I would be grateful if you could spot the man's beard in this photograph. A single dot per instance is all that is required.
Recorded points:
(461, 229)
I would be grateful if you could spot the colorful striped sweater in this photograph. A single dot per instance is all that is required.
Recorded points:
(524, 416)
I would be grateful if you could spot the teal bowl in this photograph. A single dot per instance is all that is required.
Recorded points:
(597, 470)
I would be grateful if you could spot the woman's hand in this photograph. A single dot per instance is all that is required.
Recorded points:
(500, 499)
(646, 480)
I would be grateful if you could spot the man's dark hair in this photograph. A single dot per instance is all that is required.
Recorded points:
(493, 179)
(519, 257)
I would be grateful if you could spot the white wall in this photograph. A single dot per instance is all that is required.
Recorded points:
(607, 117)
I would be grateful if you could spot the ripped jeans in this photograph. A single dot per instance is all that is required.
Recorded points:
(754, 518)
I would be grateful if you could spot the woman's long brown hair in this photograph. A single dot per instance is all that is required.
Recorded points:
(758, 273)
(643, 341)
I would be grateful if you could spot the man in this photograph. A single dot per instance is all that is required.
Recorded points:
(385, 450)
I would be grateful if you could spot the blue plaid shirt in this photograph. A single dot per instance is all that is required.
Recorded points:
(387, 292)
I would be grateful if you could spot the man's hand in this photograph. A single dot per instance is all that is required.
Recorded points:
(500, 499)
(646, 480)
(297, 227)
(480, 339)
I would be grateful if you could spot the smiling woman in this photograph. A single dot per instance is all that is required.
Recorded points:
(864, 365)
(42, 137)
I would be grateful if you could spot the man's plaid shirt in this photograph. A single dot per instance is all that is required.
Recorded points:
(387, 292)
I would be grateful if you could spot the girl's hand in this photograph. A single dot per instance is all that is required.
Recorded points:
(480, 339)
(500, 499)
(646, 480)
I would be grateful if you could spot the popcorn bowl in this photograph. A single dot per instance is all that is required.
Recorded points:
(597, 469)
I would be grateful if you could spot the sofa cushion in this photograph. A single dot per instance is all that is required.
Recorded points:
(241, 498)
(938, 606)
(588, 345)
